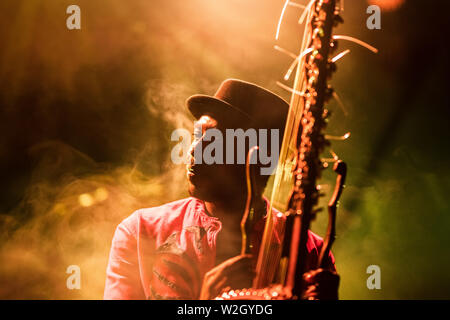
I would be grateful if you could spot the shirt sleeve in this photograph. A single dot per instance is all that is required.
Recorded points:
(331, 262)
(317, 242)
(122, 274)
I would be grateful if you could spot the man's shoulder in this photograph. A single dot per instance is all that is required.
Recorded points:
(316, 239)
(166, 214)
(168, 208)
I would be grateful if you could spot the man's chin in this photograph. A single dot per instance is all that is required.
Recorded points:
(192, 190)
(199, 192)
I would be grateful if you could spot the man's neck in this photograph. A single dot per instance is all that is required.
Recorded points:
(229, 241)
(225, 210)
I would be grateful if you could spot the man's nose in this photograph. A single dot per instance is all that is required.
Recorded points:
(196, 149)
(195, 145)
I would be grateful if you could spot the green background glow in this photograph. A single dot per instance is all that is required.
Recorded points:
(89, 110)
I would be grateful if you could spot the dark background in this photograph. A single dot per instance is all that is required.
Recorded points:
(86, 117)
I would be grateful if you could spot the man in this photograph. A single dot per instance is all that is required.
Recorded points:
(188, 249)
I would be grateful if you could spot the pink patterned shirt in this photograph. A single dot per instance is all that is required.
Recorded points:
(164, 252)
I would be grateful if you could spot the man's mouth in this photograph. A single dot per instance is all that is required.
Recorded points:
(189, 171)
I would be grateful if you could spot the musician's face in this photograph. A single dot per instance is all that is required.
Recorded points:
(213, 182)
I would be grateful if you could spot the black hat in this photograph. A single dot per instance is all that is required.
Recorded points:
(242, 104)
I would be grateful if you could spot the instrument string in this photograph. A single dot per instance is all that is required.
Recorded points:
(268, 258)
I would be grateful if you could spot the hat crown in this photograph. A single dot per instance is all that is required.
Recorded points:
(242, 104)
(263, 107)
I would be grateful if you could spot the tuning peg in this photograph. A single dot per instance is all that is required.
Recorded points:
(337, 20)
(305, 12)
(335, 156)
(297, 5)
(315, 55)
(326, 114)
(340, 104)
(328, 95)
(341, 138)
(321, 187)
(333, 46)
(331, 68)
(286, 52)
(340, 6)
(357, 41)
(339, 56)
(291, 90)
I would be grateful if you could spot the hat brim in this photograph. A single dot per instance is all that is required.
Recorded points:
(200, 105)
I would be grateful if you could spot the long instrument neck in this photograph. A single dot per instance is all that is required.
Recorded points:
(311, 143)
(299, 160)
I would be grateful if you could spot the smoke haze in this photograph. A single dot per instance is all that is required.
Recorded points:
(86, 117)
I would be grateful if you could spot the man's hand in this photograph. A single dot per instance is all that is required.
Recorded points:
(234, 273)
(321, 285)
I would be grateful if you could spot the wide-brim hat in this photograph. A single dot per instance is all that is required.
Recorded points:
(242, 104)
